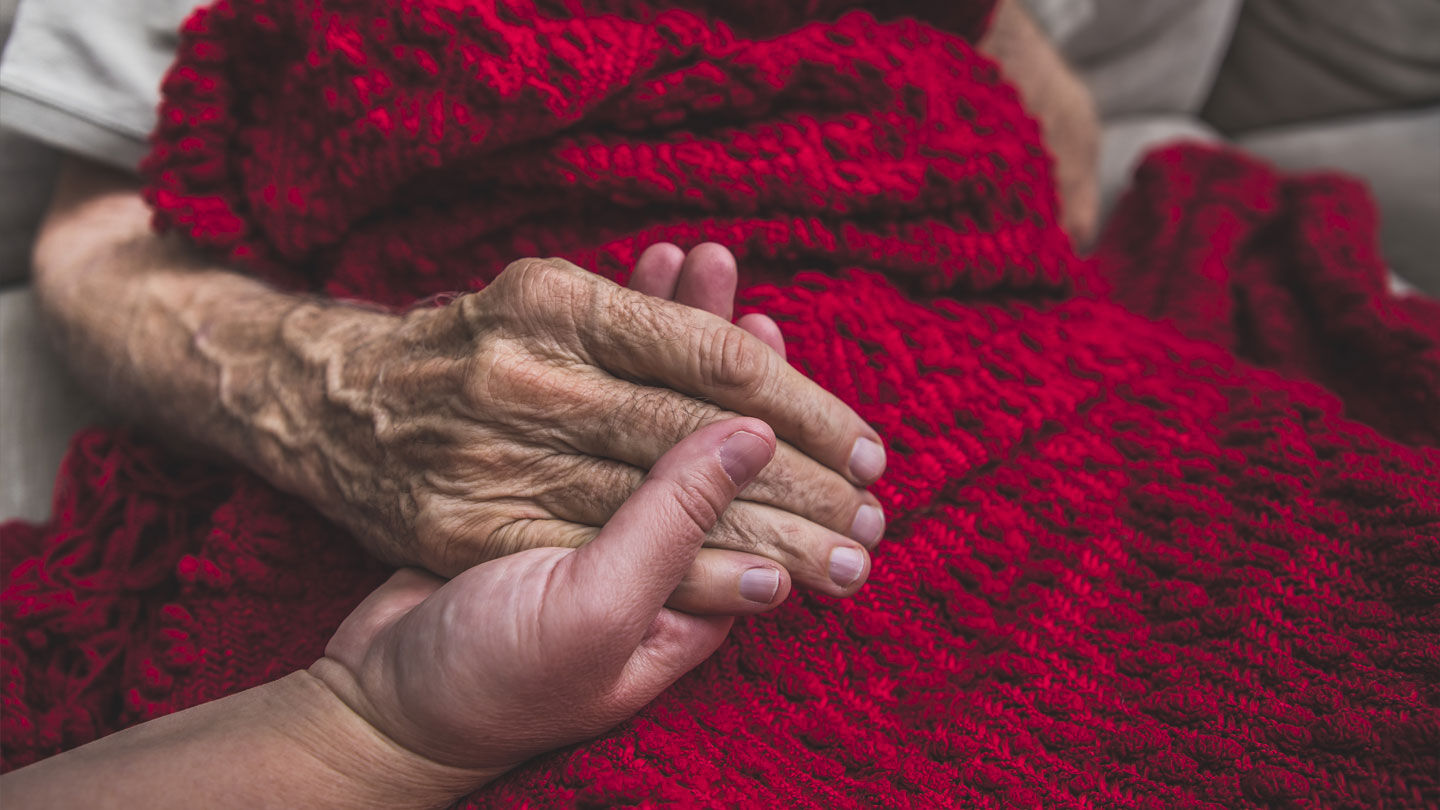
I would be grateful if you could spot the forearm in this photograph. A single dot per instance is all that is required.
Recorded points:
(1061, 104)
(1037, 70)
(289, 743)
(514, 417)
(203, 357)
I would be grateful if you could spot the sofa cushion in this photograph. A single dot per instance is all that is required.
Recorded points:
(1300, 60)
(1148, 57)
(41, 407)
(1397, 154)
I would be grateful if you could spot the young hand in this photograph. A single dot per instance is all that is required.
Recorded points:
(550, 646)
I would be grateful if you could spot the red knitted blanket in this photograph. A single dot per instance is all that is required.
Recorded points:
(1138, 555)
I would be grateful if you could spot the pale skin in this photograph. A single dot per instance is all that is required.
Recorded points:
(502, 440)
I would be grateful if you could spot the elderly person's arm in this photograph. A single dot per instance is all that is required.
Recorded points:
(1061, 104)
(429, 689)
(513, 418)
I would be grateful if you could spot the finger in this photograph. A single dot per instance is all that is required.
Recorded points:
(604, 427)
(765, 328)
(719, 582)
(817, 558)
(707, 280)
(585, 490)
(641, 338)
(569, 496)
(661, 343)
(658, 270)
(633, 565)
(730, 583)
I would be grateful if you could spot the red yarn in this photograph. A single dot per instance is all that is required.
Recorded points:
(1124, 567)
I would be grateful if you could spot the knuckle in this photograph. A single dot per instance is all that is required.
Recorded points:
(732, 362)
(794, 537)
(543, 291)
(816, 424)
(650, 317)
(786, 542)
(735, 532)
(529, 273)
(698, 501)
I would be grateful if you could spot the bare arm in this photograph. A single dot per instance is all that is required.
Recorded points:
(431, 689)
(208, 359)
(1063, 106)
(291, 742)
(517, 417)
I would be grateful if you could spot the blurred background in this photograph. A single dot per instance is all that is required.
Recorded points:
(1347, 85)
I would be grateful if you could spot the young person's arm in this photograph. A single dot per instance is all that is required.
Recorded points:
(290, 742)
(430, 689)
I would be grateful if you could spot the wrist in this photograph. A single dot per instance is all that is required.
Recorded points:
(287, 743)
(356, 763)
(298, 406)
(327, 417)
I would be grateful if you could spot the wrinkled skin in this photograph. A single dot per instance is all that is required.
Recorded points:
(522, 416)
(517, 417)
(547, 646)
(430, 689)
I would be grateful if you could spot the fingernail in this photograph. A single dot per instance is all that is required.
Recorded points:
(845, 565)
(867, 460)
(760, 584)
(869, 526)
(743, 455)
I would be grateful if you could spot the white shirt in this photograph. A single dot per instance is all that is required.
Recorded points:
(84, 75)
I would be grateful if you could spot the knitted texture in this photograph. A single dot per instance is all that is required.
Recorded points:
(1126, 565)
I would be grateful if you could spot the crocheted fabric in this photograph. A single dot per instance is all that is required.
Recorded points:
(1126, 564)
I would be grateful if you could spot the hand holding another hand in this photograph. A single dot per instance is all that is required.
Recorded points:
(522, 416)
(549, 646)
(430, 689)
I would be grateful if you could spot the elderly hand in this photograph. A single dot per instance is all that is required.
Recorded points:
(522, 416)
(517, 417)
(546, 647)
